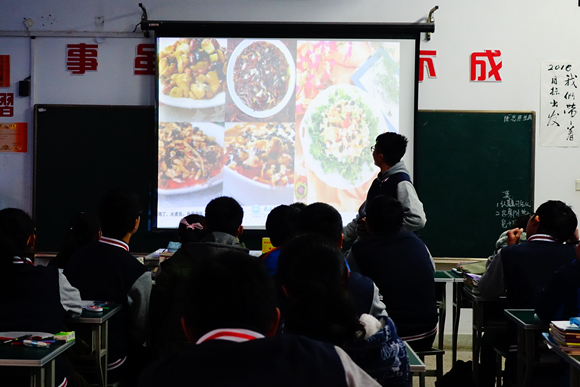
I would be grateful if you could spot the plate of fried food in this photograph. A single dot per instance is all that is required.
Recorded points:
(190, 156)
(192, 72)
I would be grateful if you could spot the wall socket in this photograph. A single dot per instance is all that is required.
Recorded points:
(577, 184)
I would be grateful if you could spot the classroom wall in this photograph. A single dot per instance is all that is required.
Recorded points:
(527, 33)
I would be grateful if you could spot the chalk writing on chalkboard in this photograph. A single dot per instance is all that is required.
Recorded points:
(558, 120)
(517, 117)
(508, 209)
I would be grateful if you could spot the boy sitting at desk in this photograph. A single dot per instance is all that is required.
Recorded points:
(400, 264)
(560, 299)
(223, 223)
(281, 227)
(230, 315)
(520, 271)
(106, 271)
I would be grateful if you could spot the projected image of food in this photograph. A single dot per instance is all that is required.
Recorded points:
(261, 76)
(337, 131)
(193, 68)
(262, 152)
(189, 158)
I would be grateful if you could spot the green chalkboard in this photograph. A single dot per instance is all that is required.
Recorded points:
(474, 173)
(83, 151)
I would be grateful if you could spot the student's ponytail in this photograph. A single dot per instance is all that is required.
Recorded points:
(312, 271)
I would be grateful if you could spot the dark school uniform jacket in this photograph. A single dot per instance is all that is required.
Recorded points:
(106, 271)
(38, 301)
(281, 361)
(400, 265)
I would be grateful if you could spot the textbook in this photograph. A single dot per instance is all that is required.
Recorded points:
(553, 343)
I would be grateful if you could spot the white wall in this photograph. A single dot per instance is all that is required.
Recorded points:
(526, 32)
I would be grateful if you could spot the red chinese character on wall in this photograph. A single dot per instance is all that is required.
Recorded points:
(6, 104)
(145, 59)
(81, 57)
(426, 60)
(480, 60)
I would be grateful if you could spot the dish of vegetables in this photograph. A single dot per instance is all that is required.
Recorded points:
(337, 131)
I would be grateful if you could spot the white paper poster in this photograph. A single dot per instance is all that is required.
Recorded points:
(558, 109)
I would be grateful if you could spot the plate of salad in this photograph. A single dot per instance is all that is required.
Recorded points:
(338, 129)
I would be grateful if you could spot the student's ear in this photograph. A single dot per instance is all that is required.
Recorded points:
(533, 225)
(287, 293)
(190, 336)
(240, 230)
(137, 223)
(274, 327)
(341, 241)
(31, 240)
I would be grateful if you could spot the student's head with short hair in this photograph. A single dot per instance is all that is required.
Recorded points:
(224, 214)
(281, 224)
(119, 213)
(312, 270)
(384, 214)
(191, 229)
(16, 230)
(299, 205)
(321, 218)
(230, 290)
(554, 218)
(16, 238)
(392, 146)
(84, 228)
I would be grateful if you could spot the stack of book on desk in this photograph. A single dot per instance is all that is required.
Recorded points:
(564, 335)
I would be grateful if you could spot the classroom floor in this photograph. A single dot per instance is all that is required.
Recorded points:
(463, 353)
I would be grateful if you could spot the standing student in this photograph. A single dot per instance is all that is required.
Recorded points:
(32, 298)
(392, 181)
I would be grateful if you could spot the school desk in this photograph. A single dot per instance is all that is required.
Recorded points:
(40, 361)
(573, 362)
(99, 331)
(415, 363)
(529, 329)
(487, 317)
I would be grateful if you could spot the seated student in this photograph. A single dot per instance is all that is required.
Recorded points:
(84, 229)
(520, 271)
(106, 271)
(560, 299)
(32, 298)
(223, 222)
(313, 273)
(323, 219)
(397, 261)
(280, 226)
(230, 317)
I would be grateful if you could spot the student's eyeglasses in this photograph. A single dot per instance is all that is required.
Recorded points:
(372, 148)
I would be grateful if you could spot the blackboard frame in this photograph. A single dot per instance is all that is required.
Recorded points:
(455, 226)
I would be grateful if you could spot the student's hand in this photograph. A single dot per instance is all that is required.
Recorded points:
(514, 236)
